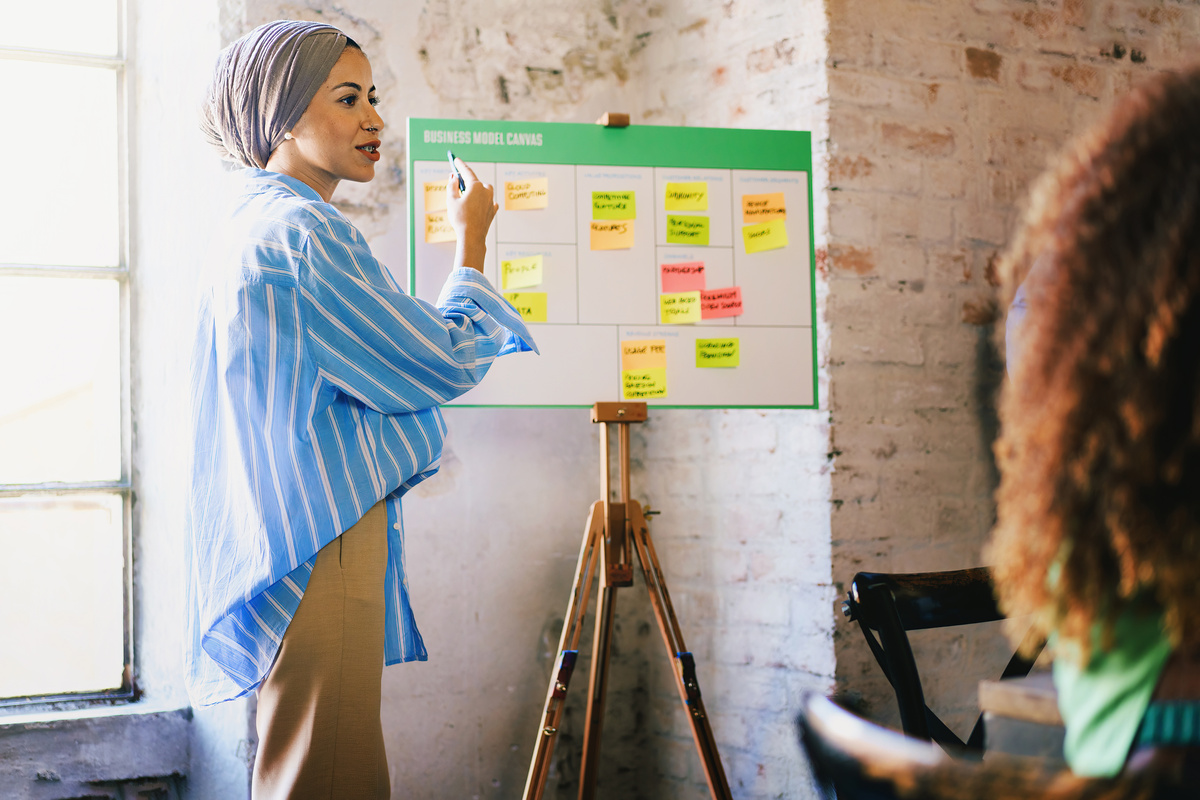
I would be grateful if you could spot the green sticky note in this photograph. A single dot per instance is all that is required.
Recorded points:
(686, 196)
(687, 229)
(530, 305)
(679, 307)
(613, 205)
(643, 383)
(717, 352)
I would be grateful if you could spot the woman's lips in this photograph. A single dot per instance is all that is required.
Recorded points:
(370, 150)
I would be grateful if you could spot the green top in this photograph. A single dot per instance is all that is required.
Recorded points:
(1103, 705)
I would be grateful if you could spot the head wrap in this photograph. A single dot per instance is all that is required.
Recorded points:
(262, 85)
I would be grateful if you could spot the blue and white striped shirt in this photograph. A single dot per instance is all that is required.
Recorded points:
(315, 389)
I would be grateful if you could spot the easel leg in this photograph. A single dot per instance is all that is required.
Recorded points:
(568, 649)
(685, 665)
(597, 685)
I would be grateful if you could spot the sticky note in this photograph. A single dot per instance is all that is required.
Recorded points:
(643, 354)
(721, 303)
(438, 228)
(685, 276)
(526, 194)
(679, 308)
(717, 352)
(435, 197)
(763, 207)
(530, 305)
(765, 236)
(687, 196)
(644, 383)
(613, 205)
(689, 229)
(612, 235)
(521, 273)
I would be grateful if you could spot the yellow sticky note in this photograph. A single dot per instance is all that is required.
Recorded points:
(612, 235)
(687, 196)
(679, 307)
(613, 205)
(435, 197)
(643, 383)
(643, 354)
(765, 236)
(717, 352)
(438, 228)
(687, 229)
(763, 207)
(521, 273)
(530, 305)
(526, 194)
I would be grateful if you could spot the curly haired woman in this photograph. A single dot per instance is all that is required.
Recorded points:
(1098, 536)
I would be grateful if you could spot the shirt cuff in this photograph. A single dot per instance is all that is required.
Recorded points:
(470, 284)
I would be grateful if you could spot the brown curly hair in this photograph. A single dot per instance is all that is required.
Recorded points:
(1099, 452)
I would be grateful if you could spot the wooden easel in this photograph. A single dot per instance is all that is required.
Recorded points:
(613, 530)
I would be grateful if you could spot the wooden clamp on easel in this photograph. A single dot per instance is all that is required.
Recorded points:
(613, 530)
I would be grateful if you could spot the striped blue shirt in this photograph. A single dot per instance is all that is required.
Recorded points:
(315, 389)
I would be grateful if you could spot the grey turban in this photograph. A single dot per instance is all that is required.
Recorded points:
(262, 84)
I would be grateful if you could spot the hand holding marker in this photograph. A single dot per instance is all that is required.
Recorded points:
(462, 185)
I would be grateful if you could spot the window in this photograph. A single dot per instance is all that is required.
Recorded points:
(64, 397)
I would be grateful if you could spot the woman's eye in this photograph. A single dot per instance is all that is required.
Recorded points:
(349, 100)
(373, 101)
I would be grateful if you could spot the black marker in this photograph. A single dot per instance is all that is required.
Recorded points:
(462, 185)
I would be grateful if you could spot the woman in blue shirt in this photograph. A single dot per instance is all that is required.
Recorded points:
(316, 383)
(1098, 532)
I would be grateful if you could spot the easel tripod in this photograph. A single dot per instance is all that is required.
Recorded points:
(613, 531)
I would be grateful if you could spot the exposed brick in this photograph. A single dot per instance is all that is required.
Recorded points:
(919, 140)
(846, 258)
(984, 64)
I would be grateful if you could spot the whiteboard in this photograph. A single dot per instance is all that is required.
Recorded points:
(598, 314)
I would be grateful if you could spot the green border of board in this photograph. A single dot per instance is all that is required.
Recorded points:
(509, 142)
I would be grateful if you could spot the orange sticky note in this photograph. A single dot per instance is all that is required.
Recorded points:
(716, 303)
(644, 383)
(763, 207)
(527, 194)
(438, 228)
(435, 197)
(765, 236)
(643, 354)
(612, 235)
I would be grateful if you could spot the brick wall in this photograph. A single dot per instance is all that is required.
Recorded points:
(940, 115)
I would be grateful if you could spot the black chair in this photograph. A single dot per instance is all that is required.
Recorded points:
(853, 759)
(887, 606)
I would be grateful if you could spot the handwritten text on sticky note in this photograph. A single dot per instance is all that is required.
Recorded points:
(435, 197)
(438, 228)
(685, 276)
(717, 352)
(530, 305)
(643, 354)
(763, 207)
(721, 302)
(687, 229)
(678, 308)
(687, 196)
(612, 235)
(643, 384)
(526, 194)
(765, 236)
(521, 273)
(613, 205)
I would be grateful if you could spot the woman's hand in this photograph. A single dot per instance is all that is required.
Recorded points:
(470, 212)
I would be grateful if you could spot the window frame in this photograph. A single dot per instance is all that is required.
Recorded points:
(123, 487)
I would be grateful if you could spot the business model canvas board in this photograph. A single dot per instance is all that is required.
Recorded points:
(673, 266)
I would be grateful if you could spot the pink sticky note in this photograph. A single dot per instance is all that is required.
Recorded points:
(721, 303)
(686, 276)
